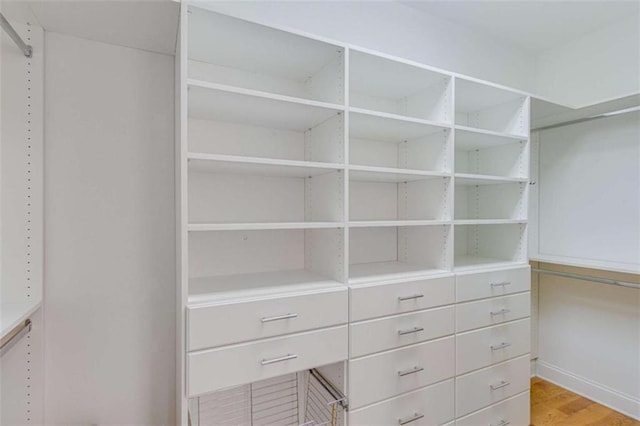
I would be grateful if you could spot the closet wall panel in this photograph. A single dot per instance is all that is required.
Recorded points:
(109, 268)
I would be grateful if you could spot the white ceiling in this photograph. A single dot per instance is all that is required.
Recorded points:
(531, 25)
(143, 24)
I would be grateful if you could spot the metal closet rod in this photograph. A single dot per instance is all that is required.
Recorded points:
(26, 49)
(587, 278)
(593, 117)
(18, 331)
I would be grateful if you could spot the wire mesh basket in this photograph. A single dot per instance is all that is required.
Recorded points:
(305, 398)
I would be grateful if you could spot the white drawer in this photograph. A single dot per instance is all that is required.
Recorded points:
(490, 385)
(432, 405)
(470, 286)
(378, 300)
(388, 374)
(480, 348)
(483, 313)
(218, 325)
(513, 411)
(382, 334)
(215, 369)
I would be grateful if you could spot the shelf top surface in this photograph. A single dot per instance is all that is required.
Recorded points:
(225, 288)
(223, 40)
(466, 263)
(208, 101)
(258, 226)
(388, 174)
(469, 138)
(467, 179)
(231, 164)
(361, 273)
(365, 124)
(394, 223)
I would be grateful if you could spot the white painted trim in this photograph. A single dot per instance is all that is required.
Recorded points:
(601, 394)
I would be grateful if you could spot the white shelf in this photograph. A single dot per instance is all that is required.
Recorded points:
(12, 314)
(473, 96)
(469, 138)
(257, 285)
(219, 102)
(475, 179)
(463, 263)
(389, 174)
(376, 125)
(488, 221)
(400, 222)
(378, 271)
(216, 163)
(255, 226)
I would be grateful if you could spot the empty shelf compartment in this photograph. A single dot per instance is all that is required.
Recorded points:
(490, 108)
(386, 142)
(380, 200)
(488, 154)
(231, 51)
(494, 201)
(224, 191)
(382, 253)
(380, 84)
(489, 245)
(242, 264)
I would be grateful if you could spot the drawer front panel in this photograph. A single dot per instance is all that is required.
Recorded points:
(432, 405)
(211, 326)
(490, 385)
(392, 332)
(513, 411)
(483, 313)
(388, 374)
(481, 348)
(380, 300)
(245, 363)
(470, 286)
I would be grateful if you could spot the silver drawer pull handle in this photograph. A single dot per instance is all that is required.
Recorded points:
(500, 346)
(409, 331)
(282, 358)
(278, 318)
(416, 416)
(415, 296)
(500, 312)
(499, 385)
(502, 423)
(501, 284)
(413, 370)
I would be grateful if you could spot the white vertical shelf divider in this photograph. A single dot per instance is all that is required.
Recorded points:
(307, 168)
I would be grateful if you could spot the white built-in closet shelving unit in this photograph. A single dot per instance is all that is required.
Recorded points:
(353, 234)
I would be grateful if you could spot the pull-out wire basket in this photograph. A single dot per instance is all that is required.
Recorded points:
(299, 399)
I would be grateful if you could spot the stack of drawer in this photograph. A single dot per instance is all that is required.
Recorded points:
(241, 341)
(401, 360)
(492, 347)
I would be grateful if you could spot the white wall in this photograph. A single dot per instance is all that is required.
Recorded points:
(109, 232)
(589, 203)
(589, 340)
(601, 65)
(396, 29)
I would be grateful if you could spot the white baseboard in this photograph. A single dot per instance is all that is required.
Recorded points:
(601, 394)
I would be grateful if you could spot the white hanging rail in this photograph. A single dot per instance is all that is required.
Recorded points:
(26, 49)
(587, 278)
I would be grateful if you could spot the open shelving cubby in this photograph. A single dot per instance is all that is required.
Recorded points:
(479, 200)
(485, 107)
(490, 154)
(398, 89)
(381, 253)
(487, 245)
(379, 141)
(233, 52)
(239, 264)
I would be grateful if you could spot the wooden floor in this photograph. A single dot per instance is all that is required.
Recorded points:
(552, 405)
